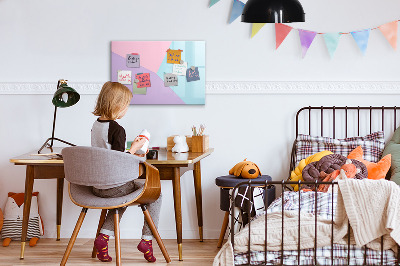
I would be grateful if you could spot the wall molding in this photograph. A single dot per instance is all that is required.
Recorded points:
(232, 87)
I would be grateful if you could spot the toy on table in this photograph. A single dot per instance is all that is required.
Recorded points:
(13, 215)
(180, 144)
(245, 169)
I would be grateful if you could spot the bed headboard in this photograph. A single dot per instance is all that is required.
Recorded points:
(344, 121)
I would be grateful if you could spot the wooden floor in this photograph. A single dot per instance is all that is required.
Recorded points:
(50, 252)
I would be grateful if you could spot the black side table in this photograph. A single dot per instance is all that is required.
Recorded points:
(226, 183)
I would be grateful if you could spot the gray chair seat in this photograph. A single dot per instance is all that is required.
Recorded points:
(83, 196)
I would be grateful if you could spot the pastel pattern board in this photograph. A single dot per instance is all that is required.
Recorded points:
(136, 90)
(144, 80)
(179, 69)
(133, 60)
(174, 56)
(192, 74)
(153, 60)
(125, 77)
(170, 80)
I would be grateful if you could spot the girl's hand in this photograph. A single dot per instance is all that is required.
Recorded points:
(142, 155)
(137, 144)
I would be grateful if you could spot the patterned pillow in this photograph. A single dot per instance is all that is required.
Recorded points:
(372, 144)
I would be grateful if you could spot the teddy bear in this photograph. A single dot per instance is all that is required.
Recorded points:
(13, 215)
(180, 144)
(245, 169)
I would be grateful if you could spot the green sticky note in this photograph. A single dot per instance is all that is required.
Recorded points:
(136, 90)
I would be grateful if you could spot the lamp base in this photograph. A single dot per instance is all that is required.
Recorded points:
(50, 146)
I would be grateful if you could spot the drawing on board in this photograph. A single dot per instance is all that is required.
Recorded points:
(160, 72)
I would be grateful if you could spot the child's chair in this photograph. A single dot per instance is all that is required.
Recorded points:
(85, 167)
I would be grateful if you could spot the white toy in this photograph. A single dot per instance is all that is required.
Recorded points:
(180, 144)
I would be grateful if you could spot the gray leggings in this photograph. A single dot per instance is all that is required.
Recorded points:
(154, 208)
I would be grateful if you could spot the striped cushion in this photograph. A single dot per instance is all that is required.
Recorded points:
(13, 228)
(372, 145)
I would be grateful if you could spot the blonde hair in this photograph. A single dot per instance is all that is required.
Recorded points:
(112, 99)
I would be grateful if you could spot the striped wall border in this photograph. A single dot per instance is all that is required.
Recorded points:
(232, 87)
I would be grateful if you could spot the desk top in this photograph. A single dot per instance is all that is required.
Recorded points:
(164, 157)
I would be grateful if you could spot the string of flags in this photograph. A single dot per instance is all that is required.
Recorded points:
(361, 37)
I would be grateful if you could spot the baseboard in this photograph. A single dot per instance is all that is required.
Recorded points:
(231, 87)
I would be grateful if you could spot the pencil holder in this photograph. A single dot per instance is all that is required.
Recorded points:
(200, 143)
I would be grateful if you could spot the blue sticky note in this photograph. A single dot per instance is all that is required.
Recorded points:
(192, 75)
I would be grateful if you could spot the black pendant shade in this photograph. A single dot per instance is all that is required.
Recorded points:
(273, 11)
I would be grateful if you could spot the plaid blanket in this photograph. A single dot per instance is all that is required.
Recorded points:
(323, 205)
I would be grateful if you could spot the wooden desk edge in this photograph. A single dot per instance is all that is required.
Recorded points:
(31, 162)
(205, 154)
(153, 162)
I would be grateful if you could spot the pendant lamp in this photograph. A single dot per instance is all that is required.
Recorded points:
(64, 96)
(273, 11)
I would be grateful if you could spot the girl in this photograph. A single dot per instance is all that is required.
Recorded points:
(112, 103)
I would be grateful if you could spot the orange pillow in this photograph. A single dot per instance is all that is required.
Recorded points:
(375, 170)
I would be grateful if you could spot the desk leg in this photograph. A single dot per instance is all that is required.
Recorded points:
(199, 204)
(60, 190)
(27, 206)
(176, 182)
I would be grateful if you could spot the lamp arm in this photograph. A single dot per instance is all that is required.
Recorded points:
(54, 126)
(55, 115)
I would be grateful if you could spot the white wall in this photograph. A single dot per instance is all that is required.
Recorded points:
(42, 41)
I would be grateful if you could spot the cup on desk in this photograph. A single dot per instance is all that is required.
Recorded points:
(152, 155)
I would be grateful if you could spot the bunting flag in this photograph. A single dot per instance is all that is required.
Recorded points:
(256, 27)
(361, 37)
(306, 39)
(332, 41)
(389, 30)
(281, 31)
(237, 9)
(213, 2)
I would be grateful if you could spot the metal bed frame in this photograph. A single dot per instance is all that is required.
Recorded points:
(283, 184)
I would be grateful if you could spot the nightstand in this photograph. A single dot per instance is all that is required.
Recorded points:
(226, 183)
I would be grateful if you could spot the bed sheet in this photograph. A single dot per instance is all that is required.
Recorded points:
(324, 206)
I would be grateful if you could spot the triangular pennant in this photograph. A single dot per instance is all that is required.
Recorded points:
(361, 37)
(389, 30)
(256, 27)
(237, 9)
(213, 2)
(306, 39)
(281, 31)
(332, 41)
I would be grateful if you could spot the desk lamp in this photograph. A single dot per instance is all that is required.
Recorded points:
(273, 11)
(64, 96)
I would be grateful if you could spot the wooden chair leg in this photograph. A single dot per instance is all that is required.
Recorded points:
(73, 237)
(223, 229)
(101, 222)
(154, 230)
(117, 238)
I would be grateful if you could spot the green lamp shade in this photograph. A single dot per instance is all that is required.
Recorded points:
(65, 96)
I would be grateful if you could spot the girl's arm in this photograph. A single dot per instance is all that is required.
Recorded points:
(136, 145)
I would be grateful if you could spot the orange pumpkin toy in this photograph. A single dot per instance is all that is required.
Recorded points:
(245, 169)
